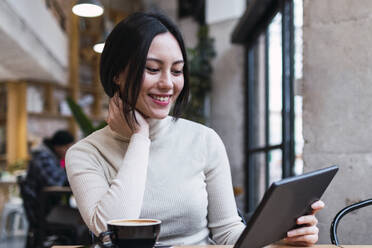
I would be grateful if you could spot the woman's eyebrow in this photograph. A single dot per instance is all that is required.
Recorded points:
(161, 62)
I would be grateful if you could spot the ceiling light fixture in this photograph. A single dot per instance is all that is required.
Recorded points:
(98, 48)
(88, 8)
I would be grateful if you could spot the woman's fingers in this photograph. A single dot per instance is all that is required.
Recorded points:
(116, 120)
(303, 236)
(303, 231)
(303, 240)
(318, 205)
(308, 233)
(309, 220)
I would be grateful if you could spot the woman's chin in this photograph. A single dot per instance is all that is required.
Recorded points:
(158, 116)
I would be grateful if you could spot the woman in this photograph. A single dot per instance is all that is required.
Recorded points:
(146, 164)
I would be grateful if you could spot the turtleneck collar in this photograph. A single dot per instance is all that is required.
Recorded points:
(158, 127)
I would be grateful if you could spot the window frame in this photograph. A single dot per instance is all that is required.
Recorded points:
(260, 14)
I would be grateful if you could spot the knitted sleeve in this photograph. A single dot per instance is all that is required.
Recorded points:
(98, 201)
(223, 219)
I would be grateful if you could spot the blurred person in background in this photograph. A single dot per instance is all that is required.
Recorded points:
(46, 168)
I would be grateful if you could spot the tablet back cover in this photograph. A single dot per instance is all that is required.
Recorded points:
(282, 204)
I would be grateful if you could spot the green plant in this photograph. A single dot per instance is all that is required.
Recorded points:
(86, 125)
(201, 69)
(20, 164)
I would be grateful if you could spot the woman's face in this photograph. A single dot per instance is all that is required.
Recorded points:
(163, 77)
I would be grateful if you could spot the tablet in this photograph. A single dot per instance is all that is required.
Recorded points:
(282, 204)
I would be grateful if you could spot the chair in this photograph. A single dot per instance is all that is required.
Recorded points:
(47, 230)
(341, 214)
(13, 221)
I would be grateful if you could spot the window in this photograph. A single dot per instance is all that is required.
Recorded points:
(273, 113)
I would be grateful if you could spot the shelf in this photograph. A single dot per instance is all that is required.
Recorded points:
(48, 84)
(49, 116)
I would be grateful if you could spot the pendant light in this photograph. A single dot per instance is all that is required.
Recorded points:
(98, 48)
(88, 8)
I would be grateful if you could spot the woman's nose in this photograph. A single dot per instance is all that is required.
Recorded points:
(165, 81)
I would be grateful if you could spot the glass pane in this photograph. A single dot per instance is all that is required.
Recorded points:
(257, 96)
(299, 139)
(275, 165)
(259, 163)
(275, 80)
(298, 22)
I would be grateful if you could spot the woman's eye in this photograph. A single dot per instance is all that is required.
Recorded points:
(177, 72)
(152, 70)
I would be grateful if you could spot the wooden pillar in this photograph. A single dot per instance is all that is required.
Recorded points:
(73, 28)
(97, 89)
(50, 104)
(16, 131)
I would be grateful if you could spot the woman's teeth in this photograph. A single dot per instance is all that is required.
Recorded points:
(161, 98)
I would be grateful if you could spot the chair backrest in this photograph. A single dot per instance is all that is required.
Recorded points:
(31, 212)
(341, 214)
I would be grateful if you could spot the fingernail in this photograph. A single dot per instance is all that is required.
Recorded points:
(318, 204)
(290, 233)
(300, 219)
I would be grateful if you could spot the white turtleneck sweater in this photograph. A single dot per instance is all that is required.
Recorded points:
(180, 175)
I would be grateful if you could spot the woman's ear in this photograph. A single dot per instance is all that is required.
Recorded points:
(117, 80)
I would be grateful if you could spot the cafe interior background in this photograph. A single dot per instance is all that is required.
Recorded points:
(285, 83)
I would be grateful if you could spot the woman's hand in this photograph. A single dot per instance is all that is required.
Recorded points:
(308, 234)
(117, 122)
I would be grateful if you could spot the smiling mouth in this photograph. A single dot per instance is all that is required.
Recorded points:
(160, 98)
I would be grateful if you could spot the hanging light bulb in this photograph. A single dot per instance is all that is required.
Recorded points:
(88, 8)
(98, 48)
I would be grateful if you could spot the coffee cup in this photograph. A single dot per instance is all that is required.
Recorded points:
(131, 233)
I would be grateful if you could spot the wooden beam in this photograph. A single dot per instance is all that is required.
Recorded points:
(73, 28)
(16, 131)
(50, 106)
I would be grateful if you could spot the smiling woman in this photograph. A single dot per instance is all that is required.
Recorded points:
(145, 163)
(140, 46)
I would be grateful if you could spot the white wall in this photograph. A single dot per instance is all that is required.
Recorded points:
(222, 10)
(337, 116)
(227, 98)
